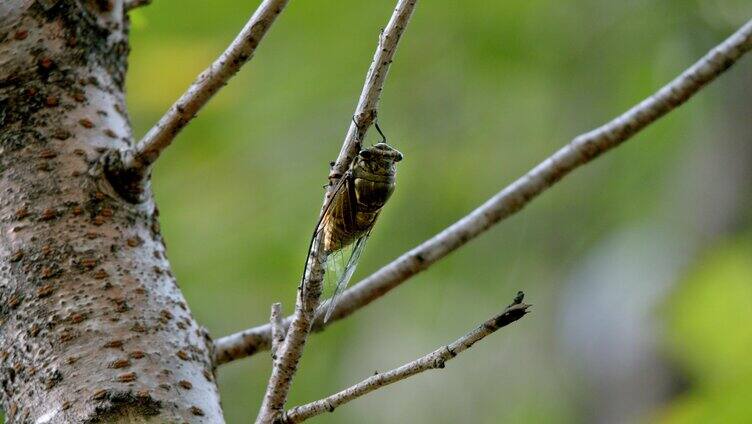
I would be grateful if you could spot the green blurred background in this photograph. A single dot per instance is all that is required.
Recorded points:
(639, 266)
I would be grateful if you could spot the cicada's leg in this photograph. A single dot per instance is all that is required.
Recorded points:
(383, 137)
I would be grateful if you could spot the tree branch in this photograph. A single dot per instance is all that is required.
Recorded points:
(433, 360)
(309, 291)
(514, 197)
(205, 86)
(278, 331)
(367, 109)
(132, 4)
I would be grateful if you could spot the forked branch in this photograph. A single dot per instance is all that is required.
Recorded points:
(204, 87)
(583, 149)
(309, 292)
(433, 360)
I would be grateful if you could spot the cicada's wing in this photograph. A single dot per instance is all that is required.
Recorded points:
(335, 208)
(340, 218)
(340, 271)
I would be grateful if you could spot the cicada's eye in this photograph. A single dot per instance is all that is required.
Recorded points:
(398, 157)
(365, 154)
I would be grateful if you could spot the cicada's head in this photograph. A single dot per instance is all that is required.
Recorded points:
(379, 160)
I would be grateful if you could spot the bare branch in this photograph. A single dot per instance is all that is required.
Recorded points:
(514, 197)
(132, 4)
(250, 341)
(278, 331)
(309, 292)
(205, 86)
(433, 360)
(367, 109)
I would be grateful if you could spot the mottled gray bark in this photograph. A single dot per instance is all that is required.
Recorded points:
(93, 327)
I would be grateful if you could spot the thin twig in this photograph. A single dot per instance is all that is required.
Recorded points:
(278, 331)
(433, 360)
(132, 4)
(309, 292)
(514, 197)
(367, 109)
(204, 87)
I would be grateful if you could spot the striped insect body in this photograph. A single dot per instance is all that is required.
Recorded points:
(351, 212)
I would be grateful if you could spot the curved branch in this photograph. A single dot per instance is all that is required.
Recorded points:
(433, 360)
(514, 197)
(204, 87)
(309, 291)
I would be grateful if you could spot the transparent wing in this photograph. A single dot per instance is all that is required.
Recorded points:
(342, 271)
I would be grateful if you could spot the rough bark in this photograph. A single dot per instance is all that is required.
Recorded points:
(93, 327)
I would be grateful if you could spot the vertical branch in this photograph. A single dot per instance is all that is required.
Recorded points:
(309, 292)
(278, 331)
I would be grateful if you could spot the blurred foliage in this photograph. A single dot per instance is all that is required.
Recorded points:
(709, 333)
(479, 92)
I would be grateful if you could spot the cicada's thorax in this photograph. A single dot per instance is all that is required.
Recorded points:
(358, 203)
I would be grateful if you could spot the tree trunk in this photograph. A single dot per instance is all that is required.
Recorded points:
(93, 327)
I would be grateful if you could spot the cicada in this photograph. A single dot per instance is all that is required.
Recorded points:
(351, 212)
